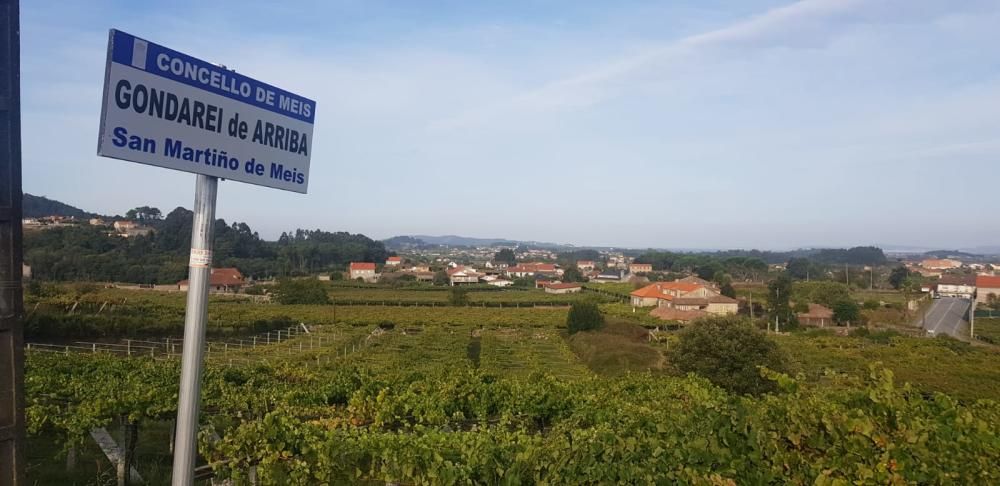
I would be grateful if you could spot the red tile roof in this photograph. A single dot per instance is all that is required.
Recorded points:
(394, 259)
(362, 266)
(658, 289)
(220, 277)
(817, 311)
(988, 282)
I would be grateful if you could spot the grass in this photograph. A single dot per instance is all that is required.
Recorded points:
(617, 348)
(988, 329)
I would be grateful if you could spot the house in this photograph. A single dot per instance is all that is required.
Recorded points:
(124, 225)
(131, 229)
(640, 267)
(684, 296)
(133, 232)
(531, 269)
(585, 265)
(818, 315)
(220, 280)
(609, 275)
(942, 264)
(960, 286)
(719, 305)
(420, 268)
(421, 276)
(97, 222)
(987, 285)
(394, 261)
(563, 288)
(652, 294)
(462, 275)
(363, 270)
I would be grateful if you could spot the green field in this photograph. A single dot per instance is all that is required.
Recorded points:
(427, 395)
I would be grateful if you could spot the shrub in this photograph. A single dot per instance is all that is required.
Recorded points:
(458, 296)
(584, 316)
(301, 291)
(729, 352)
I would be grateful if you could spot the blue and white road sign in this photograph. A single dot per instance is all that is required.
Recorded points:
(168, 109)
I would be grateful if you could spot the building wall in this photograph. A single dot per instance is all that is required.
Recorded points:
(366, 275)
(563, 291)
(983, 294)
(723, 309)
(645, 301)
(956, 290)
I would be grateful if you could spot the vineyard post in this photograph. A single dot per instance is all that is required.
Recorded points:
(200, 267)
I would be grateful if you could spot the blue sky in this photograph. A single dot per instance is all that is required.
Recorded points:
(710, 124)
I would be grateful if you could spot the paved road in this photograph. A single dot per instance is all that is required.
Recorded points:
(947, 316)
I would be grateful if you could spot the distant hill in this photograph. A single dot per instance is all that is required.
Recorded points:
(405, 243)
(455, 240)
(950, 254)
(38, 206)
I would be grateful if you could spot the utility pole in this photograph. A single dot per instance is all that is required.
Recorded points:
(972, 320)
(847, 274)
(11, 292)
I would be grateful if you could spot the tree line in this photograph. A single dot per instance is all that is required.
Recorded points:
(90, 253)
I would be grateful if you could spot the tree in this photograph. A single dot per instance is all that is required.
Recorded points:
(505, 255)
(728, 351)
(458, 296)
(846, 312)
(779, 291)
(898, 276)
(584, 316)
(801, 269)
(728, 290)
(573, 274)
(441, 278)
(993, 301)
(144, 213)
(301, 291)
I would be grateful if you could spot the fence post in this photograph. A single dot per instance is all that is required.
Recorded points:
(128, 347)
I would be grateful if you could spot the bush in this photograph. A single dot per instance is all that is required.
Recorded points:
(870, 305)
(301, 291)
(584, 316)
(458, 296)
(728, 351)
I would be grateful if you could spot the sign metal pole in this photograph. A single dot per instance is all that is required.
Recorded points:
(11, 299)
(196, 314)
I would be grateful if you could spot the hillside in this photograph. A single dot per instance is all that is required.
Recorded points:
(38, 206)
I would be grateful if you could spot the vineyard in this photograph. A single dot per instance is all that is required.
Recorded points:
(473, 395)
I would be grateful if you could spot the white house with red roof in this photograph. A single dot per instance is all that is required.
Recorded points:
(586, 265)
(363, 270)
(393, 261)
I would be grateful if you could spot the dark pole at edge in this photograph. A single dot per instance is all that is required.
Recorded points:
(11, 303)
